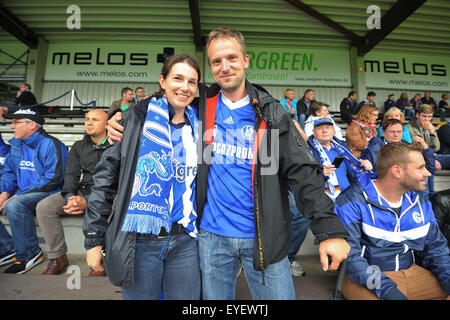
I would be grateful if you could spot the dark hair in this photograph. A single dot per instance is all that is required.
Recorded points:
(125, 90)
(170, 62)
(371, 94)
(351, 93)
(307, 91)
(135, 90)
(316, 106)
(387, 123)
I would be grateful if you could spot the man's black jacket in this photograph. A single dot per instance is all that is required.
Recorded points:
(80, 166)
(348, 108)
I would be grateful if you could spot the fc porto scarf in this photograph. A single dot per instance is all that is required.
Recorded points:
(149, 207)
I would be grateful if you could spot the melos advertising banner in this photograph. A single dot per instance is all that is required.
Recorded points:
(108, 62)
(296, 67)
(407, 71)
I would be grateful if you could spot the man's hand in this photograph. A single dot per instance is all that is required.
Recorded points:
(3, 199)
(428, 126)
(75, 205)
(94, 258)
(366, 164)
(302, 133)
(115, 130)
(337, 248)
(328, 170)
(421, 141)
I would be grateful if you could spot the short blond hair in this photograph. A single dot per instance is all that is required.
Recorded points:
(394, 110)
(425, 108)
(227, 33)
(395, 153)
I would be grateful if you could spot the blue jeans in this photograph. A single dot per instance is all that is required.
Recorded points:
(20, 211)
(299, 228)
(167, 264)
(302, 120)
(6, 243)
(444, 160)
(443, 114)
(409, 113)
(219, 261)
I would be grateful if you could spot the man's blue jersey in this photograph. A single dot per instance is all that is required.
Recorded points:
(229, 207)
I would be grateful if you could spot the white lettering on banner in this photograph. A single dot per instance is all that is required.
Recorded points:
(229, 150)
(147, 207)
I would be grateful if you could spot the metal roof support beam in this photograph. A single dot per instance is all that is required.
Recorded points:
(317, 15)
(398, 13)
(196, 25)
(17, 28)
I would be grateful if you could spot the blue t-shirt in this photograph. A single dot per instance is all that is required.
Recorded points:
(229, 207)
(27, 173)
(340, 172)
(182, 197)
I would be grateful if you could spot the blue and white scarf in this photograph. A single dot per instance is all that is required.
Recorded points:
(149, 207)
(332, 181)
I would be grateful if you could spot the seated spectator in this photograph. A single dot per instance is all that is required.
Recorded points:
(320, 110)
(395, 113)
(303, 106)
(348, 107)
(83, 157)
(140, 94)
(444, 138)
(388, 224)
(392, 132)
(362, 129)
(325, 148)
(389, 103)
(290, 103)
(444, 109)
(441, 207)
(416, 102)
(369, 100)
(422, 126)
(123, 104)
(428, 99)
(4, 150)
(24, 96)
(405, 106)
(33, 170)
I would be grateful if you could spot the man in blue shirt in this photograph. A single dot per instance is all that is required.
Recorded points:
(33, 170)
(325, 149)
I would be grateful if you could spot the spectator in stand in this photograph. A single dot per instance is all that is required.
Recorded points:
(348, 107)
(423, 128)
(389, 103)
(326, 147)
(24, 96)
(369, 100)
(303, 106)
(427, 99)
(290, 103)
(72, 200)
(405, 106)
(320, 110)
(443, 107)
(444, 138)
(388, 224)
(33, 170)
(139, 94)
(395, 113)
(362, 129)
(416, 102)
(392, 132)
(123, 104)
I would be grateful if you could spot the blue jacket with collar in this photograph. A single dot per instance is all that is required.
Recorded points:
(49, 159)
(377, 236)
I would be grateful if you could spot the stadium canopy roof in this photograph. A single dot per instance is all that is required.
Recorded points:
(415, 26)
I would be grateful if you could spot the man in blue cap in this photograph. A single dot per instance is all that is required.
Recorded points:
(326, 148)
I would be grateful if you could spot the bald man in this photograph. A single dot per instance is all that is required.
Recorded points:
(72, 200)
